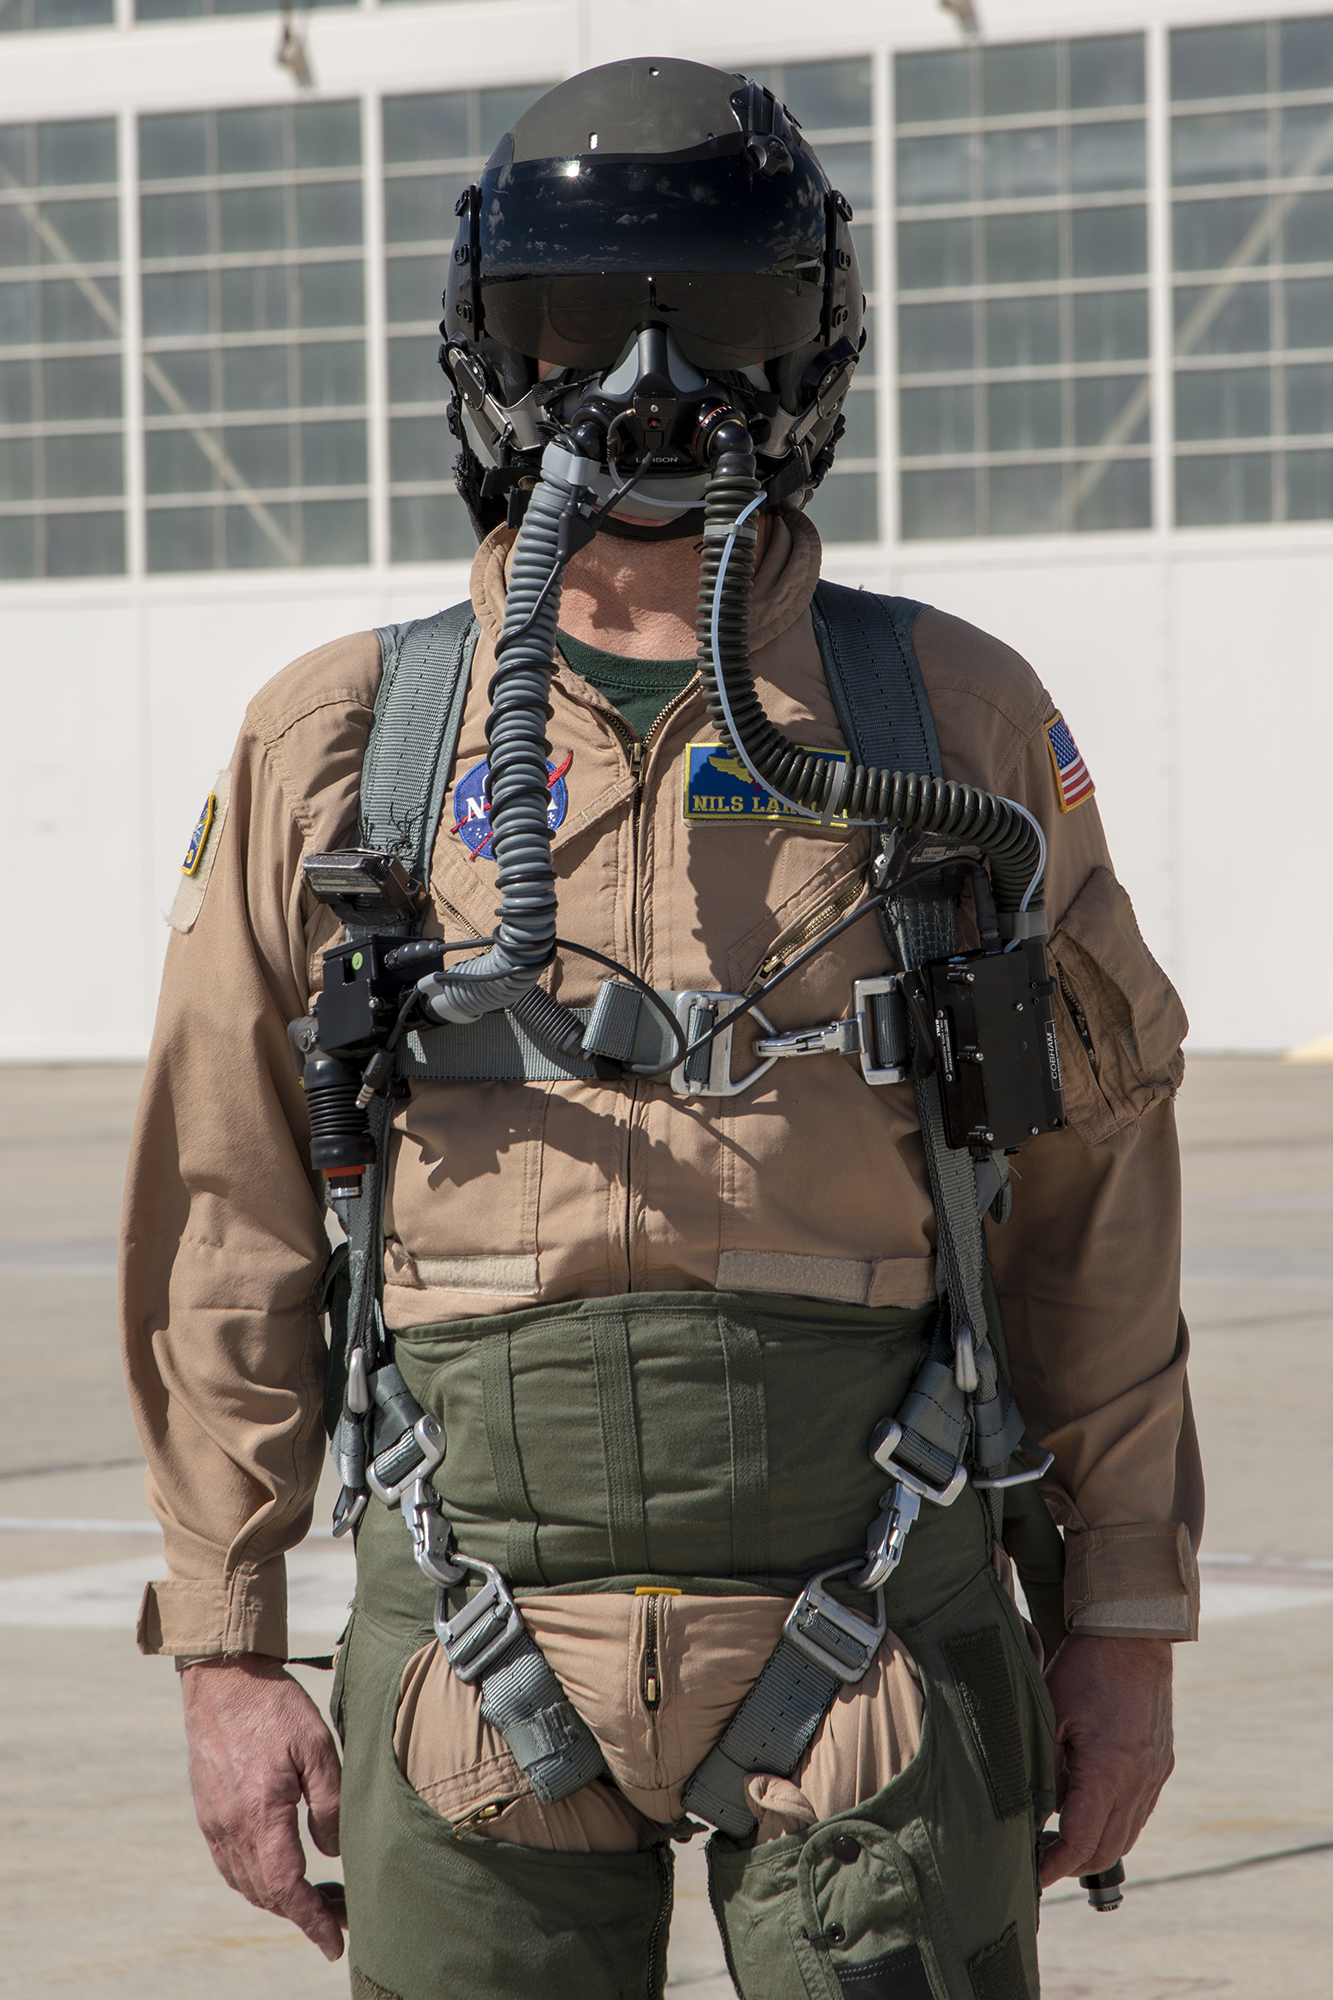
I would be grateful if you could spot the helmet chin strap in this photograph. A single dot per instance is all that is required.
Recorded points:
(678, 529)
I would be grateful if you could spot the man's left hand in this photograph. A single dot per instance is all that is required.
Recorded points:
(1112, 1747)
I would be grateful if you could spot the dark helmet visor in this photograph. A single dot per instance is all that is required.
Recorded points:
(577, 254)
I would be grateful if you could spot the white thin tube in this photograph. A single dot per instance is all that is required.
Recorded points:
(1033, 885)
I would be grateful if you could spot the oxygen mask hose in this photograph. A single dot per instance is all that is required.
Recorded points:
(524, 939)
(812, 782)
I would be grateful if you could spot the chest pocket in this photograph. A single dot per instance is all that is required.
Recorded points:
(1121, 1022)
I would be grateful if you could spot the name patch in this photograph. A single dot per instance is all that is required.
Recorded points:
(719, 790)
(472, 804)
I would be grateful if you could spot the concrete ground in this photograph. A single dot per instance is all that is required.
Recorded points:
(108, 1889)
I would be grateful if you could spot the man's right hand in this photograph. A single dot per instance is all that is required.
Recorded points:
(258, 1746)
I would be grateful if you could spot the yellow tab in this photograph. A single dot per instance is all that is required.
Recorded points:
(657, 1590)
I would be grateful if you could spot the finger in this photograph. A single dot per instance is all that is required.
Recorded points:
(1081, 1826)
(1112, 1846)
(303, 1906)
(321, 1784)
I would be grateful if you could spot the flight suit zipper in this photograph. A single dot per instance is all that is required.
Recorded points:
(651, 1677)
(805, 933)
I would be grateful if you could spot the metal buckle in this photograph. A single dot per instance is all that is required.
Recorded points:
(484, 1629)
(347, 1511)
(839, 1038)
(429, 1439)
(431, 1534)
(720, 1081)
(1018, 1478)
(885, 1440)
(814, 1601)
(863, 992)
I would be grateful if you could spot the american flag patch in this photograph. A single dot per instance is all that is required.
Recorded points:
(1072, 775)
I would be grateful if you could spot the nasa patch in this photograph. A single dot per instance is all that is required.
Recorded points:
(472, 805)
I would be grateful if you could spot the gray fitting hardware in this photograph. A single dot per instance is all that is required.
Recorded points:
(697, 1011)
(431, 1535)
(413, 1455)
(486, 1627)
(840, 1641)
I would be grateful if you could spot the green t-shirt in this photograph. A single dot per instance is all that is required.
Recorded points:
(640, 689)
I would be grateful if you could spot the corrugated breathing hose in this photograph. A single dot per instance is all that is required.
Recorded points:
(810, 780)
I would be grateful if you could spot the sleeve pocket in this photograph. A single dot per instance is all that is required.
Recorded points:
(1119, 1019)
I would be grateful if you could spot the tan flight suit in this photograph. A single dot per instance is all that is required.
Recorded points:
(502, 1198)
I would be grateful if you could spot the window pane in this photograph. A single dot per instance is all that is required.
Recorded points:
(1026, 499)
(328, 135)
(1221, 319)
(173, 225)
(1310, 312)
(851, 171)
(933, 339)
(861, 437)
(255, 300)
(1022, 249)
(85, 544)
(181, 538)
(16, 398)
(863, 238)
(335, 454)
(1111, 326)
(175, 462)
(938, 505)
(414, 285)
(69, 314)
(421, 210)
(88, 387)
(1111, 410)
(1219, 62)
(176, 382)
(16, 153)
(1307, 140)
(17, 244)
(88, 229)
(1018, 78)
(331, 295)
(1227, 146)
(18, 315)
(261, 454)
(250, 142)
(1021, 164)
(334, 372)
(74, 154)
(501, 111)
(328, 214)
(430, 528)
(1309, 230)
(934, 254)
(1022, 333)
(420, 451)
(414, 372)
(935, 169)
(846, 508)
(1023, 416)
(426, 128)
(1110, 242)
(174, 148)
(255, 378)
(1309, 485)
(1223, 488)
(84, 468)
(929, 87)
(1106, 158)
(1310, 401)
(18, 468)
(869, 352)
(1112, 494)
(18, 547)
(177, 302)
(827, 94)
(1224, 403)
(1307, 54)
(934, 423)
(253, 218)
(260, 540)
(1105, 70)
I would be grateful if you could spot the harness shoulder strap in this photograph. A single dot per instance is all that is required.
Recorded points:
(865, 642)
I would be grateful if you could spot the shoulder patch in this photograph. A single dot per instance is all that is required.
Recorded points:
(1073, 780)
(201, 854)
(720, 791)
